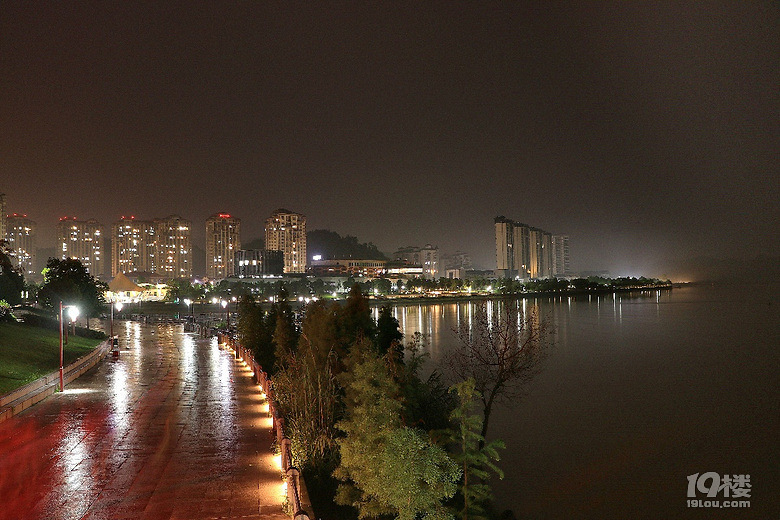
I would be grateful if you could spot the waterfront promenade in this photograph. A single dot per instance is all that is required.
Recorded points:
(173, 429)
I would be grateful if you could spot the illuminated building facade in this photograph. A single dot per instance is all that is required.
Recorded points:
(523, 251)
(426, 257)
(20, 240)
(83, 241)
(256, 263)
(348, 267)
(223, 239)
(133, 246)
(173, 247)
(285, 231)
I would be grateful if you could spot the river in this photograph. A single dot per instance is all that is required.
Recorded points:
(638, 392)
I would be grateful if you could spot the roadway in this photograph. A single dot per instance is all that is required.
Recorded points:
(172, 429)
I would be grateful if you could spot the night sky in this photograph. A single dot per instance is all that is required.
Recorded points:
(649, 133)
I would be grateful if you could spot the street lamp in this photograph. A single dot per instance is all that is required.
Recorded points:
(73, 313)
(227, 313)
(118, 306)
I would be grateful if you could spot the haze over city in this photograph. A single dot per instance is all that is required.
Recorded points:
(647, 134)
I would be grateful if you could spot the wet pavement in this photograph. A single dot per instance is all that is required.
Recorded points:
(173, 429)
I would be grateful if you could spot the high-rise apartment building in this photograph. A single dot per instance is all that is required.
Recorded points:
(133, 246)
(560, 246)
(285, 231)
(2, 216)
(523, 251)
(223, 239)
(20, 240)
(160, 246)
(173, 247)
(82, 240)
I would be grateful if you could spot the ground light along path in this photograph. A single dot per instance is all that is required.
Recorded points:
(174, 428)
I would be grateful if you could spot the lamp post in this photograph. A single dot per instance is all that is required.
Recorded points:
(227, 313)
(118, 306)
(73, 313)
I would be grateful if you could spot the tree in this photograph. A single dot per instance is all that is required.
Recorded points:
(388, 333)
(320, 331)
(181, 288)
(70, 282)
(387, 468)
(308, 397)
(501, 351)
(427, 403)
(285, 334)
(355, 318)
(11, 278)
(382, 286)
(471, 453)
(254, 334)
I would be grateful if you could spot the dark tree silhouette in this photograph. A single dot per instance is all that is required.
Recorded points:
(388, 333)
(11, 278)
(70, 282)
(501, 350)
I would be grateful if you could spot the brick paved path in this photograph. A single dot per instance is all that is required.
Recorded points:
(174, 428)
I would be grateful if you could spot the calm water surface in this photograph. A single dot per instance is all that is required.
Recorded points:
(638, 392)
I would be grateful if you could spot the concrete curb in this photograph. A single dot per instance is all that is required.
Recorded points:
(32, 393)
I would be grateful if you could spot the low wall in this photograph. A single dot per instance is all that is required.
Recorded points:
(297, 494)
(32, 393)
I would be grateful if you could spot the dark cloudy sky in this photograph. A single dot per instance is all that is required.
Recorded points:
(647, 131)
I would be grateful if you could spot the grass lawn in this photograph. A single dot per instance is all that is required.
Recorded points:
(27, 353)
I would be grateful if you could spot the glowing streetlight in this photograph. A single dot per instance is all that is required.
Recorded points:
(227, 313)
(118, 306)
(73, 313)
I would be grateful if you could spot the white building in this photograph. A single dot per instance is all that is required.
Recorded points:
(285, 231)
(82, 240)
(223, 239)
(427, 257)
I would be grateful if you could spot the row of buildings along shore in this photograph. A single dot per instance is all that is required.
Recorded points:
(526, 252)
(160, 249)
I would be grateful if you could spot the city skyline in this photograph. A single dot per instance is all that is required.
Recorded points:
(140, 245)
(646, 133)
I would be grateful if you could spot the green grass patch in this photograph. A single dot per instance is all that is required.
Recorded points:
(27, 353)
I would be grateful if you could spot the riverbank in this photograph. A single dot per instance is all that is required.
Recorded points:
(465, 298)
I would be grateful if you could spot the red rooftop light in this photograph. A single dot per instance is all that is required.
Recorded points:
(224, 215)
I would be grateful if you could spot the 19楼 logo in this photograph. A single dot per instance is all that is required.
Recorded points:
(713, 485)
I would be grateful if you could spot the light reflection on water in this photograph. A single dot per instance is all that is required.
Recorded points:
(638, 392)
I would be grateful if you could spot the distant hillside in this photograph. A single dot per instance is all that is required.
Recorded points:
(331, 245)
